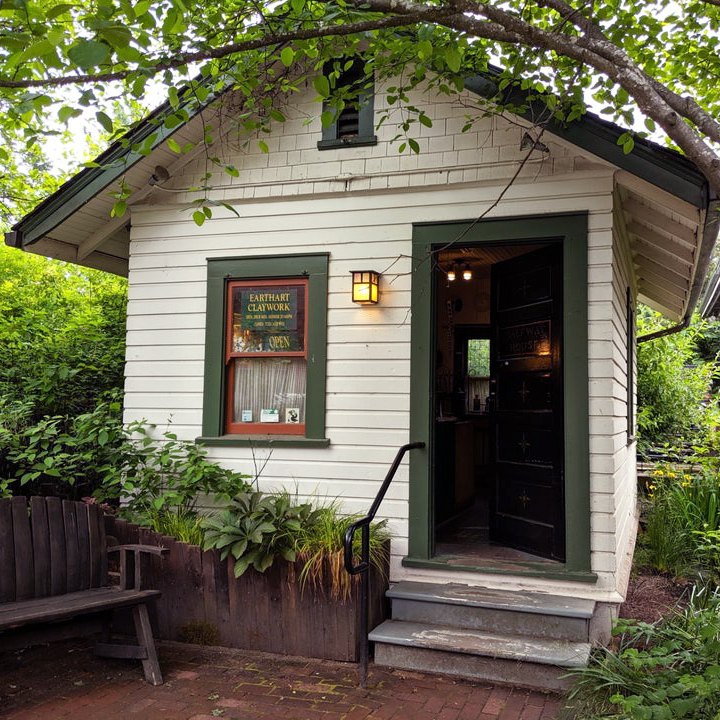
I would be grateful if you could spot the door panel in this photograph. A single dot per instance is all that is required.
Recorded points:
(527, 507)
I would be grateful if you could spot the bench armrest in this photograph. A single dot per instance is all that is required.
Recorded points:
(130, 556)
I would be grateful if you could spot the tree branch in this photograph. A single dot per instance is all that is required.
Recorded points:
(422, 14)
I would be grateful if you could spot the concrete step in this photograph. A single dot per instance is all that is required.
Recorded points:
(506, 658)
(521, 613)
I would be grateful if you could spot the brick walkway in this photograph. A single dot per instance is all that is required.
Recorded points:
(67, 681)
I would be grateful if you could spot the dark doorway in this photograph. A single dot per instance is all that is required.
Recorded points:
(498, 444)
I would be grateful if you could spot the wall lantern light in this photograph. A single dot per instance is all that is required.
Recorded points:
(365, 287)
(451, 274)
(467, 272)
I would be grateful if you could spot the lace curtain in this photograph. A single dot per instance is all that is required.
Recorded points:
(269, 383)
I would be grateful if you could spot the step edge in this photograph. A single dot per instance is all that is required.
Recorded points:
(581, 650)
(558, 609)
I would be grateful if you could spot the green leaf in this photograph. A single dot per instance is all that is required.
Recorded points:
(118, 209)
(414, 146)
(65, 113)
(58, 10)
(287, 56)
(241, 566)
(174, 145)
(88, 53)
(199, 218)
(141, 8)
(425, 120)
(452, 59)
(276, 115)
(105, 121)
(322, 86)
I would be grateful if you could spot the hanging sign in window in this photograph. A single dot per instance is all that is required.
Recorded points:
(268, 318)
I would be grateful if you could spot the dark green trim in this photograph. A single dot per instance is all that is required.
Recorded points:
(366, 125)
(522, 569)
(359, 141)
(262, 441)
(664, 168)
(112, 164)
(572, 230)
(220, 270)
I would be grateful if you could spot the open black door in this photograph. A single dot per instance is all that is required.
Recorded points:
(527, 506)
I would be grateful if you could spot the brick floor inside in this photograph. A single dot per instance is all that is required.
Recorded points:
(67, 681)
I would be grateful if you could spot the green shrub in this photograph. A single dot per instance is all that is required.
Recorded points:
(673, 387)
(71, 456)
(153, 475)
(663, 671)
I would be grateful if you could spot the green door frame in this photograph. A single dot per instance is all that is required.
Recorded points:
(572, 230)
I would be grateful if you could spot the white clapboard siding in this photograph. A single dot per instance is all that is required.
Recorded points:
(359, 205)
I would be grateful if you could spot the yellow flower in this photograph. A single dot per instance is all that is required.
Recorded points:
(652, 487)
(671, 474)
(687, 477)
(686, 484)
(658, 472)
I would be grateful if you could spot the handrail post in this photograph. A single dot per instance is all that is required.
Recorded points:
(364, 566)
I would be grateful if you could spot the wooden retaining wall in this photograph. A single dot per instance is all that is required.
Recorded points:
(267, 611)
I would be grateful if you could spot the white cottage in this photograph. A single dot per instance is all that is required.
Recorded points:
(502, 338)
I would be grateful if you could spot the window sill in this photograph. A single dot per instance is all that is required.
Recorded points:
(357, 141)
(262, 441)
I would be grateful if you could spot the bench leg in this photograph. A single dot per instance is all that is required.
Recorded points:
(151, 667)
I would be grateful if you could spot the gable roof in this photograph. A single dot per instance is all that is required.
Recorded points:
(74, 223)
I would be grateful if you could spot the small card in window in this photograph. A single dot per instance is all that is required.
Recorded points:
(292, 415)
(269, 415)
(246, 416)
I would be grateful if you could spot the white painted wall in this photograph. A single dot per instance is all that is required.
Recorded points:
(359, 205)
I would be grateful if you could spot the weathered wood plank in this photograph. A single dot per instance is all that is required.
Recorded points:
(72, 552)
(83, 533)
(58, 550)
(61, 607)
(94, 537)
(102, 547)
(41, 545)
(7, 552)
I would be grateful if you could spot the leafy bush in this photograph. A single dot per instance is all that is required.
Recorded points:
(67, 456)
(663, 671)
(156, 476)
(62, 334)
(62, 349)
(255, 528)
(673, 388)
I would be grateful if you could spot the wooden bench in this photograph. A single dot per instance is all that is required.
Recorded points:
(54, 579)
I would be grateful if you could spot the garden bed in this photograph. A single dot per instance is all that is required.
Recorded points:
(203, 602)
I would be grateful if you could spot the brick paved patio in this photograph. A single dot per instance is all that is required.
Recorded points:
(68, 681)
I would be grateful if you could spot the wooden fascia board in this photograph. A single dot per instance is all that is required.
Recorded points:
(660, 166)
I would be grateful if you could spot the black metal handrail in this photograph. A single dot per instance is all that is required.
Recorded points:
(364, 565)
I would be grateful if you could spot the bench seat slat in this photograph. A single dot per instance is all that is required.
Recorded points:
(63, 607)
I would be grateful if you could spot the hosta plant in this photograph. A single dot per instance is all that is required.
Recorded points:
(255, 528)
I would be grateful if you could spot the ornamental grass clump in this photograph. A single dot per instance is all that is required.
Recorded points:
(682, 520)
(321, 548)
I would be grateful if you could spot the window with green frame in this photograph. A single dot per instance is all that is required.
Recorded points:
(353, 117)
(265, 313)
